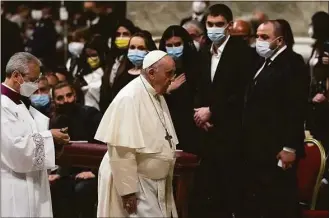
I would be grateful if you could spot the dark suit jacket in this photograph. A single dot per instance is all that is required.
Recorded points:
(224, 95)
(275, 106)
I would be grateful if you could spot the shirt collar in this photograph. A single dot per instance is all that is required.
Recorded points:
(11, 93)
(278, 53)
(220, 49)
(148, 86)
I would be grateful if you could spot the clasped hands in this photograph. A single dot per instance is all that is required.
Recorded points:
(201, 118)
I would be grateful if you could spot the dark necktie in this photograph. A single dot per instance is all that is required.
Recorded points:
(253, 83)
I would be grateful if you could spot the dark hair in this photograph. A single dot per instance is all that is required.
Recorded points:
(81, 33)
(147, 36)
(320, 22)
(278, 28)
(115, 52)
(287, 33)
(62, 70)
(190, 54)
(149, 43)
(97, 42)
(61, 85)
(221, 10)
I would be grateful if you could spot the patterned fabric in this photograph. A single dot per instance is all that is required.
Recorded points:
(39, 152)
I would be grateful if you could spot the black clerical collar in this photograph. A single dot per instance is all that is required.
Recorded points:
(11, 94)
(16, 97)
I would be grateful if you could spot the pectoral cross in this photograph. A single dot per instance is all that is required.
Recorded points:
(168, 138)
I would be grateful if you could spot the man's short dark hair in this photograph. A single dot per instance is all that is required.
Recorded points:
(221, 10)
(61, 85)
(277, 27)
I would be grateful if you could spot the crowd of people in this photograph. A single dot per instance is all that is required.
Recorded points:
(239, 97)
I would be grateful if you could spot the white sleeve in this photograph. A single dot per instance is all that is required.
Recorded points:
(24, 152)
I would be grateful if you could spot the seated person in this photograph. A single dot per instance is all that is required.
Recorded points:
(72, 184)
(41, 100)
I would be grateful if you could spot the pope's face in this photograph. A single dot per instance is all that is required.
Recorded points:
(163, 75)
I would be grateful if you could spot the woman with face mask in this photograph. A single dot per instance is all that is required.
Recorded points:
(180, 95)
(93, 65)
(139, 45)
(118, 62)
(318, 119)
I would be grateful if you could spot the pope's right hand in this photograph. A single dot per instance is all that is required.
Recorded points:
(60, 137)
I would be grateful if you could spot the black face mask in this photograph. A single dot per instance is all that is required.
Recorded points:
(66, 108)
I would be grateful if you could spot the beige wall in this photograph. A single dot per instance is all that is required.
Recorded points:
(157, 16)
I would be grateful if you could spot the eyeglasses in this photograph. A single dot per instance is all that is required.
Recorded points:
(25, 76)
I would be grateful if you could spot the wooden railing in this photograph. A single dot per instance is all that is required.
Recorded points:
(91, 155)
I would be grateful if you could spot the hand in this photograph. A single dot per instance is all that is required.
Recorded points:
(201, 115)
(206, 126)
(176, 83)
(325, 59)
(130, 203)
(318, 98)
(287, 158)
(85, 175)
(60, 137)
(53, 177)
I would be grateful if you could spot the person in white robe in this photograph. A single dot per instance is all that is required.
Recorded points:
(135, 176)
(27, 146)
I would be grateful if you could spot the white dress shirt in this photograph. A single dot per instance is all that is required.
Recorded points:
(215, 58)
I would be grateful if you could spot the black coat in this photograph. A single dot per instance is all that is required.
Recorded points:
(274, 110)
(11, 42)
(225, 94)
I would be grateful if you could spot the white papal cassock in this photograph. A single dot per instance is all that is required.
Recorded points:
(139, 158)
(27, 151)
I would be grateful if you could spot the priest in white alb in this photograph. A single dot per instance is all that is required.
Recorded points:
(27, 146)
(135, 176)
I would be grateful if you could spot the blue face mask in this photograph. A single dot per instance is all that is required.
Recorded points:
(216, 34)
(175, 52)
(136, 57)
(40, 100)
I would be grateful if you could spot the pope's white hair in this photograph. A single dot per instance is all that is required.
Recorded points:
(19, 62)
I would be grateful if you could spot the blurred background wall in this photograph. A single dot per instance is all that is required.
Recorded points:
(157, 16)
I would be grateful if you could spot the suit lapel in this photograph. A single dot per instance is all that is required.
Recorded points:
(224, 60)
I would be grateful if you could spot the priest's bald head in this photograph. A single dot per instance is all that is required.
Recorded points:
(159, 70)
(22, 73)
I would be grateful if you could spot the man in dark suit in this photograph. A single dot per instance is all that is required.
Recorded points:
(273, 127)
(199, 12)
(226, 67)
(11, 41)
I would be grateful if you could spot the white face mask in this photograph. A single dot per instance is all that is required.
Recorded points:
(199, 7)
(29, 33)
(310, 31)
(216, 34)
(28, 88)
(263, 49)
(59, 29)
(36, 14)
(197, 45)
(75, 48)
